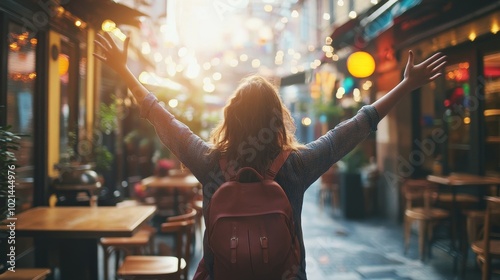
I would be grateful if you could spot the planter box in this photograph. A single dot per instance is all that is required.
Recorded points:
(352, 196)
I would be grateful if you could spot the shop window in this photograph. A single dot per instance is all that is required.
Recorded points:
(82, 89)
(73, 78)
(21, 76)
(68, 67)
(428, 144)
(492, 112)
(73, 112)
(457, 116)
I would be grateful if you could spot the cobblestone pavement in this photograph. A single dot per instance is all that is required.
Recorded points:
(370, 248)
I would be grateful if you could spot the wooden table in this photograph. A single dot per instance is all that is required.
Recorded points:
(453, 182)
(171, 182)
(460, 179)
(177, 184)
(74, 232)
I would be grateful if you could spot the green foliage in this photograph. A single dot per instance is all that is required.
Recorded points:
(8, 143)
(354, 161)
(103, 158)
(327, 109)
(107, 124)
(108, 120)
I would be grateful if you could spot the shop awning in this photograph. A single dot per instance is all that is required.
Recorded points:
(294, 79)
(96, 11)
(344, 35)
(369, 24)
(434, 16)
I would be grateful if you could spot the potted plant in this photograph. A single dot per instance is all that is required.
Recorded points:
(82, 170)
(351, 188)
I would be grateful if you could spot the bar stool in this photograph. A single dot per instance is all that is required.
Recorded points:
(26, 274)
(415, 191)
(164, 267)
(198, 206)
(330, 187)
(140, 243)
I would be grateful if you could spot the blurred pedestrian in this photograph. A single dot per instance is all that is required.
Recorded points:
(256, 128)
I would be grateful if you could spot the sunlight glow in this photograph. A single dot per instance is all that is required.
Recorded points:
(255, 63)
(173, 103)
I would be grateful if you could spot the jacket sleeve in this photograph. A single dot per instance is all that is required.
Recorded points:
(321, 154)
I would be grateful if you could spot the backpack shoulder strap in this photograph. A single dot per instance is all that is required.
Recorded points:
(229, 171)
(277, 163)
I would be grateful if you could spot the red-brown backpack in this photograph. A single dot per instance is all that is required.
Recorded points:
(251, 229)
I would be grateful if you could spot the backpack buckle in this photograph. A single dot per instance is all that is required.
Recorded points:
(234, 242)
(234, 245)
(263, 245)
(263, 242)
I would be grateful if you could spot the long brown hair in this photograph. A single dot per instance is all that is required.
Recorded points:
(256, 125)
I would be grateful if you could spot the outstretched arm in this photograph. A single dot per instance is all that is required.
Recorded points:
(116, 58)
(415, 76)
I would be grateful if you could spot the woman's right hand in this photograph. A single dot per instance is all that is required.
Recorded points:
(113, 56)
(424, 72)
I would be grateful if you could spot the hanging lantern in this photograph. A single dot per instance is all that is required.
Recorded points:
(63, 64)
(360, 64)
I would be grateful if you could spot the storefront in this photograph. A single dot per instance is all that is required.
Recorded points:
(466, 101)
(50, 86)
(451, 124)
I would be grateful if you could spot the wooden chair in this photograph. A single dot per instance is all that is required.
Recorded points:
(189, 215)
(488, 248)
(330, 187)
(143, 242)
(140, 243)
(198, 206)
(164, 267)
(419, 195)
(26, 274)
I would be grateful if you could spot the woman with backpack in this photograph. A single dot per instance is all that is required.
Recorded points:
(256, 129)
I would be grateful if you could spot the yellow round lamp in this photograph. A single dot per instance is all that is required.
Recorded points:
(63, 64)
(360, 64)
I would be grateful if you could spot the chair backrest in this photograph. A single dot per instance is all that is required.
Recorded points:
(331, 175)
(190, 214)
(418, 191)
(182, 227)
(491, 223)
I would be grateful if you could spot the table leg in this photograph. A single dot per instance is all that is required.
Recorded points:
(177, 211)
(46, 254)
(77, 259)
(455, 228)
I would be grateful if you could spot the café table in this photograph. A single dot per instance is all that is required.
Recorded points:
(171, 182)
(455, 182)
(72, 234)
(177, 184)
